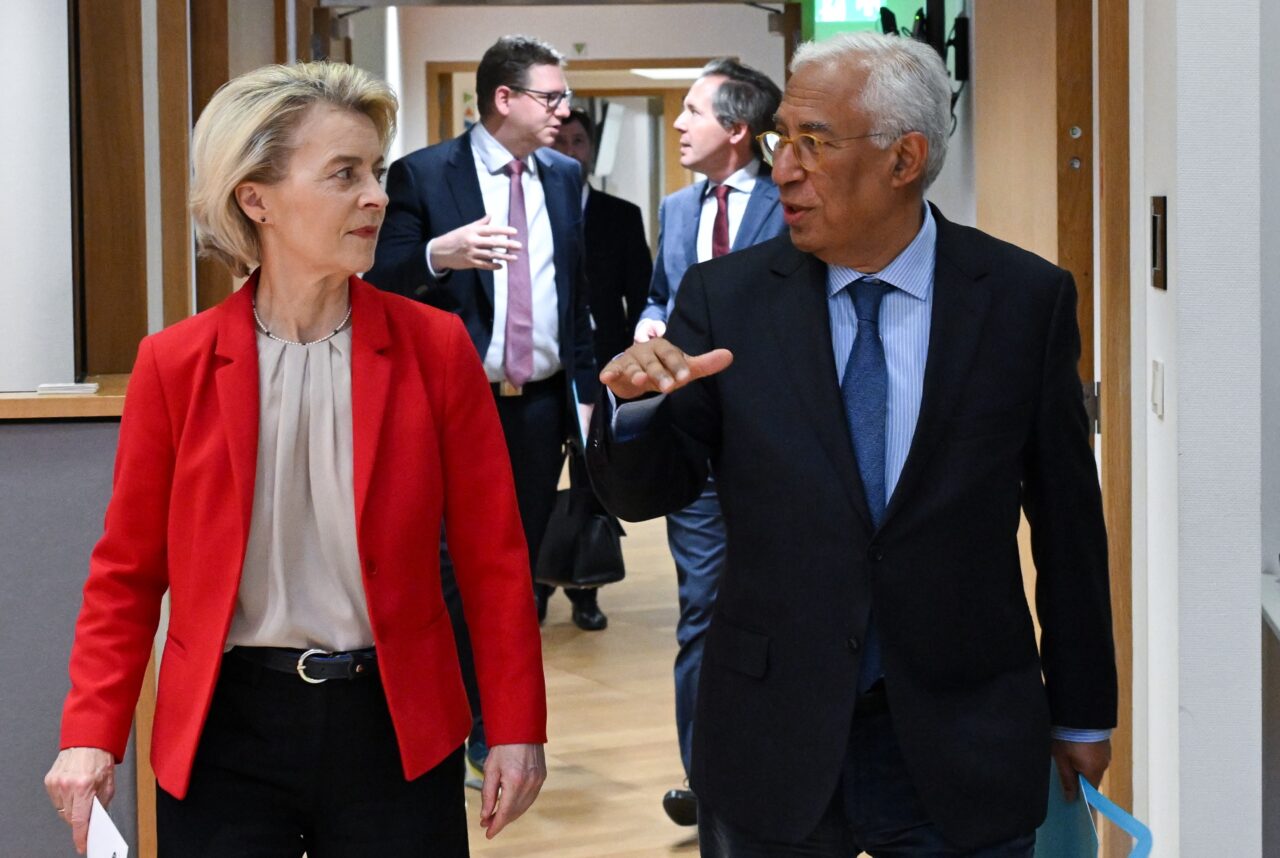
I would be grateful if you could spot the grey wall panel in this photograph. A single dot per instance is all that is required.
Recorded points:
(55, 479)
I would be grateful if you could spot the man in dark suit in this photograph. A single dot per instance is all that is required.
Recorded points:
(735, 207)
(879, 394)
(618, 261)
(489, 226)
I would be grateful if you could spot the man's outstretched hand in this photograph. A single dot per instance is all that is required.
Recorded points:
(657, 366)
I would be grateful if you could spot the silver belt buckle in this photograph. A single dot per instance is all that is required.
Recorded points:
(506, 388)
(302, 665)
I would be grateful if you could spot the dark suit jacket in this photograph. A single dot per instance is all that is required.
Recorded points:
(618, 270)
(1002, 428)
(435, 190)
(678, 217)
(427, 447)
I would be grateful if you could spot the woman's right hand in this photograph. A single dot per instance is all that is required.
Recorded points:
(77, 775)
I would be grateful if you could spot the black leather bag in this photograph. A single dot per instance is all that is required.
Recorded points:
(582, 545)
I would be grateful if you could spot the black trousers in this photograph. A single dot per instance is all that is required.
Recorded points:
(285, 767)
(875, 810)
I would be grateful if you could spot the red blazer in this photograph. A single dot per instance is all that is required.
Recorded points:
(427, 446)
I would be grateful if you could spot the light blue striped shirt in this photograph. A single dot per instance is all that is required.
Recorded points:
(905, 315)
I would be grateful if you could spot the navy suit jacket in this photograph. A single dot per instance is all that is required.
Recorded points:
(678, 236)
(1002, 429)
(435, 190)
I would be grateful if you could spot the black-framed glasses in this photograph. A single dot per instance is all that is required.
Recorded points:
(807, 147)
(551, 99)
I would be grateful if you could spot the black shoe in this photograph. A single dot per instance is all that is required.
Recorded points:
(589, 617)
(540, 599)
(681, 806)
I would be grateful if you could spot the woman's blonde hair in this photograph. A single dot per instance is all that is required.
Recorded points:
(245, 134)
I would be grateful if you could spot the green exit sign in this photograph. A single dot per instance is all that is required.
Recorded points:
(823, 18)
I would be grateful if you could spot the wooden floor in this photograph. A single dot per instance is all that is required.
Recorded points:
(612, 750)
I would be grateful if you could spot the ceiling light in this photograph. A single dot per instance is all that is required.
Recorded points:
(668, 74)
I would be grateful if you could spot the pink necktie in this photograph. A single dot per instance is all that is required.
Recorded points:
(720, 226)
(517, 355)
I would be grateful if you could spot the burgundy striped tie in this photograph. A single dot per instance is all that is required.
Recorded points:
(517, 355)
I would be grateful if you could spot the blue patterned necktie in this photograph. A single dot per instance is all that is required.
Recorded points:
(865, 389)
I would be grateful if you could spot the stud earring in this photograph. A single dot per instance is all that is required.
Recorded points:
(264, 218)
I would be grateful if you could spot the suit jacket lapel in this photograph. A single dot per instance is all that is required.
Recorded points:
(960, 304)
(557, 197)
(236, 378)
(464, 184)
(800, 323)
(764, 198)
(370, 384)
(691, 229)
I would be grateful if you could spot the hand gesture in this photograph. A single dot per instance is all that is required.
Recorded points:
(513, 775)
(657, 366)
(77, 775)
(648, 329)
(479, 244)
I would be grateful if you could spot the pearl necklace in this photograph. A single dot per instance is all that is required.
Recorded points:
(262, 327)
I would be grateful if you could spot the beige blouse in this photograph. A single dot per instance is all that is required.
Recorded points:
(301, 586)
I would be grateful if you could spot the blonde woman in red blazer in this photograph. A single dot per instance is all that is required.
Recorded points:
(309, 694)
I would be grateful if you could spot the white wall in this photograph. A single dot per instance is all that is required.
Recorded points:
(368, 30)
(638, 161)
(1197, 470)
(1155, 497)
(37, 342)
(1270, 263)
(1270, 110)
(953, 191)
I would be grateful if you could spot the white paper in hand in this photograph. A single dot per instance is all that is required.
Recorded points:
(104, 838)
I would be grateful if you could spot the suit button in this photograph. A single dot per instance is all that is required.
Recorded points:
(854, 646)
(875, 553)
(372, 567)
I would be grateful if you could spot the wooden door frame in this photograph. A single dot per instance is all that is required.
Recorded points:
(1116, 400)
(1107, 294)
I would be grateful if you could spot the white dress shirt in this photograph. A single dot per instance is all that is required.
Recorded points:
(743, 182)
(491, 159)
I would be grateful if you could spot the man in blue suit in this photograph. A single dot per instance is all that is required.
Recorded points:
(489, 226)
(735, 207)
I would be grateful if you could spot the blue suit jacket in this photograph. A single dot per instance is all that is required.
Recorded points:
(678, 237)
(435, 190)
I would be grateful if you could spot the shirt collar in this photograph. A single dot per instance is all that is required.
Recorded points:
(911, 271)
(743, 180)
(492, 154)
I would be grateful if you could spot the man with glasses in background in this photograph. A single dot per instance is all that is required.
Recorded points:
(734, 207)
(881, 393)
(489, 226)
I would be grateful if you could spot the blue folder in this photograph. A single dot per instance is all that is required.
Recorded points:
(1068, 830)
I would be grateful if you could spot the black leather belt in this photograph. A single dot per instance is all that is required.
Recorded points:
(313, 665)
(873, 702)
